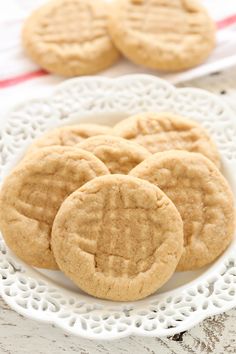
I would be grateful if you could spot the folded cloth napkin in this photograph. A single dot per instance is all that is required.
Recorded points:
(16, 67)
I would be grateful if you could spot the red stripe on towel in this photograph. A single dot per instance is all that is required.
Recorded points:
(21, 78)
(225, 22)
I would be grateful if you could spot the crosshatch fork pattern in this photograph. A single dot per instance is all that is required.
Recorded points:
(155, 14)
(160, 315)
(92, 25)
(101, 209)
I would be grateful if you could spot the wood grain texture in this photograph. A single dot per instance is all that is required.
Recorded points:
(19, 335)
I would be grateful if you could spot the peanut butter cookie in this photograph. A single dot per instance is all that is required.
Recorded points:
(162, 34)
(166, 131)
(70, 37)
(118, 238)
(119, 155)
(69, 135)
(202, 197)
(32, 194)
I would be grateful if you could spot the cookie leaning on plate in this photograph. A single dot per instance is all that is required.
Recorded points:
(32, 194)
(162, 34)
(68, 135)
(70, 37)
(166, 131)
(118, 238)
(119, 155)
(203, 198)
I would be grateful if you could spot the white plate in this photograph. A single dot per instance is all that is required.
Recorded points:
(47, 295)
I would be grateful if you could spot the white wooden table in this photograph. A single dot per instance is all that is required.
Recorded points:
(216, 335)
(19, 335)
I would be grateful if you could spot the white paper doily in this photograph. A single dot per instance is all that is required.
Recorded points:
(48, 296)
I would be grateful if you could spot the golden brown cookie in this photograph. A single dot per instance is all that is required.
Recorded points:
(118, 238)
(202, 197)
(162, 34)
(119, 155)
(70, 37)
(32, 194)
(69, 135)
(166, 131)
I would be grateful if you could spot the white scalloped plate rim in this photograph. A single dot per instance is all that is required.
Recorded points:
(214, 287)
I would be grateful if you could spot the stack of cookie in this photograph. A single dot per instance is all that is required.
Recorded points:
(83, 37)
(119, 209)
